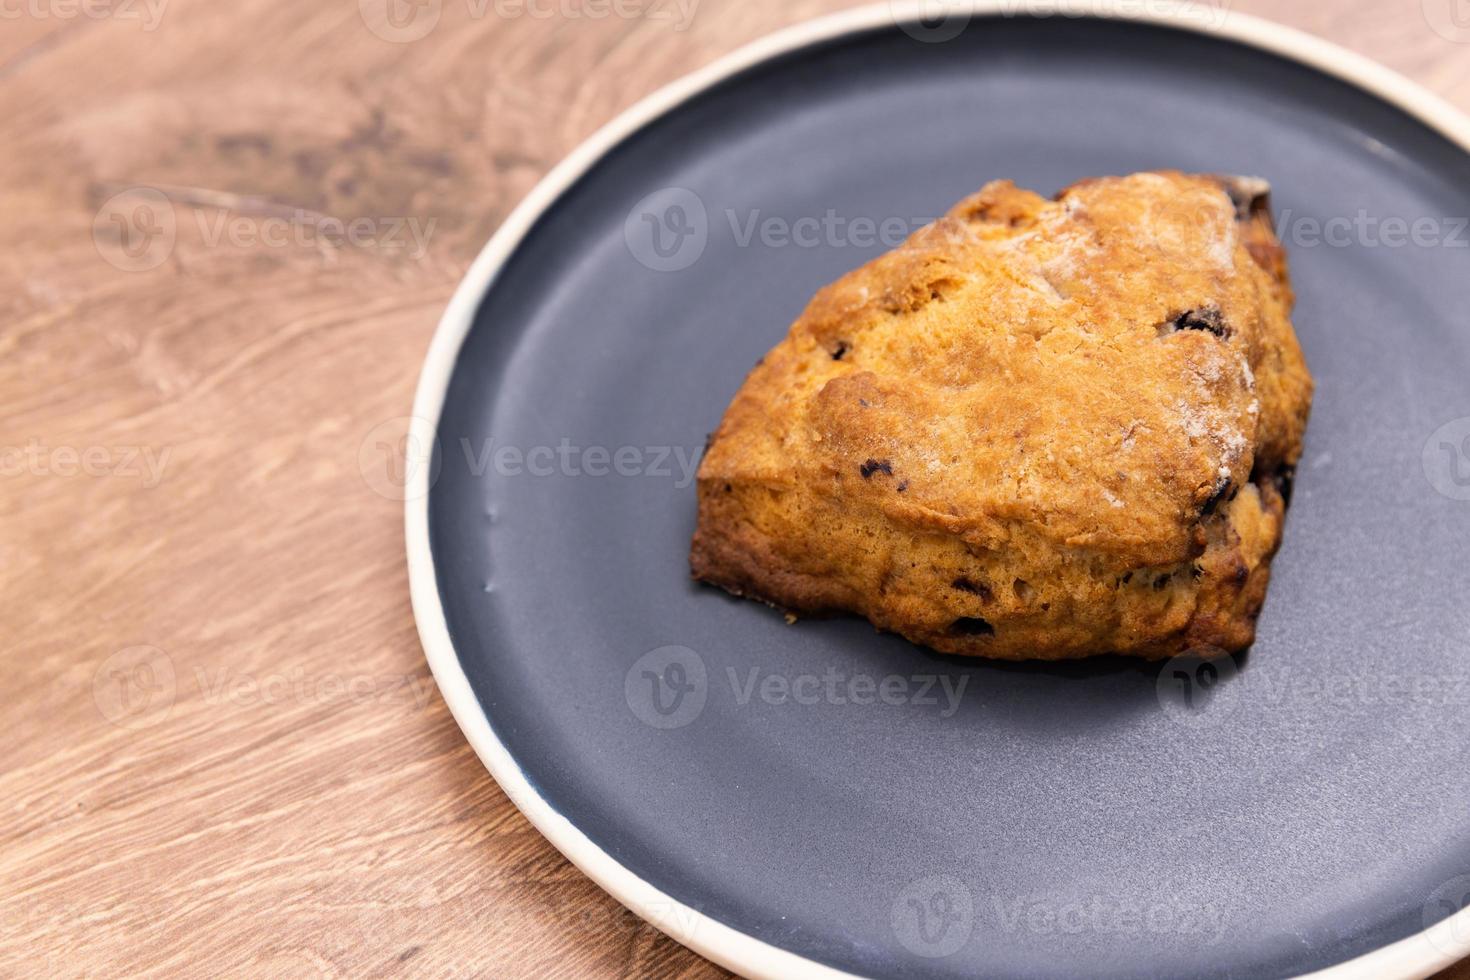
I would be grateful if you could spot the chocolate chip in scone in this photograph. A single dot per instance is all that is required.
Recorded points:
(1250, 195)
(972, 626)
(840, 351)
(904, 485)
(1282, 477)
(1285, 481)
(1217, 497)
(1206, 318)
(874, 466)
(998, 213)
(974, 588)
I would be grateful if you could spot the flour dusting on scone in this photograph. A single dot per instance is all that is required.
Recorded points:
(1039, 429)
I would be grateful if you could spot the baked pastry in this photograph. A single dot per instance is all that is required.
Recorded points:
(1039, 429)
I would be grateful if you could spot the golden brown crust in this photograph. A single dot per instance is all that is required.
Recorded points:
(1040, 429)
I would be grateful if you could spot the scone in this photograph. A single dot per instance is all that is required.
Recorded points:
(1039, 429)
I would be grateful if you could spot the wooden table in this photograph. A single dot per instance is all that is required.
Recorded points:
(224, 752)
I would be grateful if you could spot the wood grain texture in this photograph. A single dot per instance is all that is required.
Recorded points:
(224, 752)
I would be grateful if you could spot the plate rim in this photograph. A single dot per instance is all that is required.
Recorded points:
(1412, 958)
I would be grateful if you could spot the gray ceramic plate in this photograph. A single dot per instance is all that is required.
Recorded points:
(820, 797)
